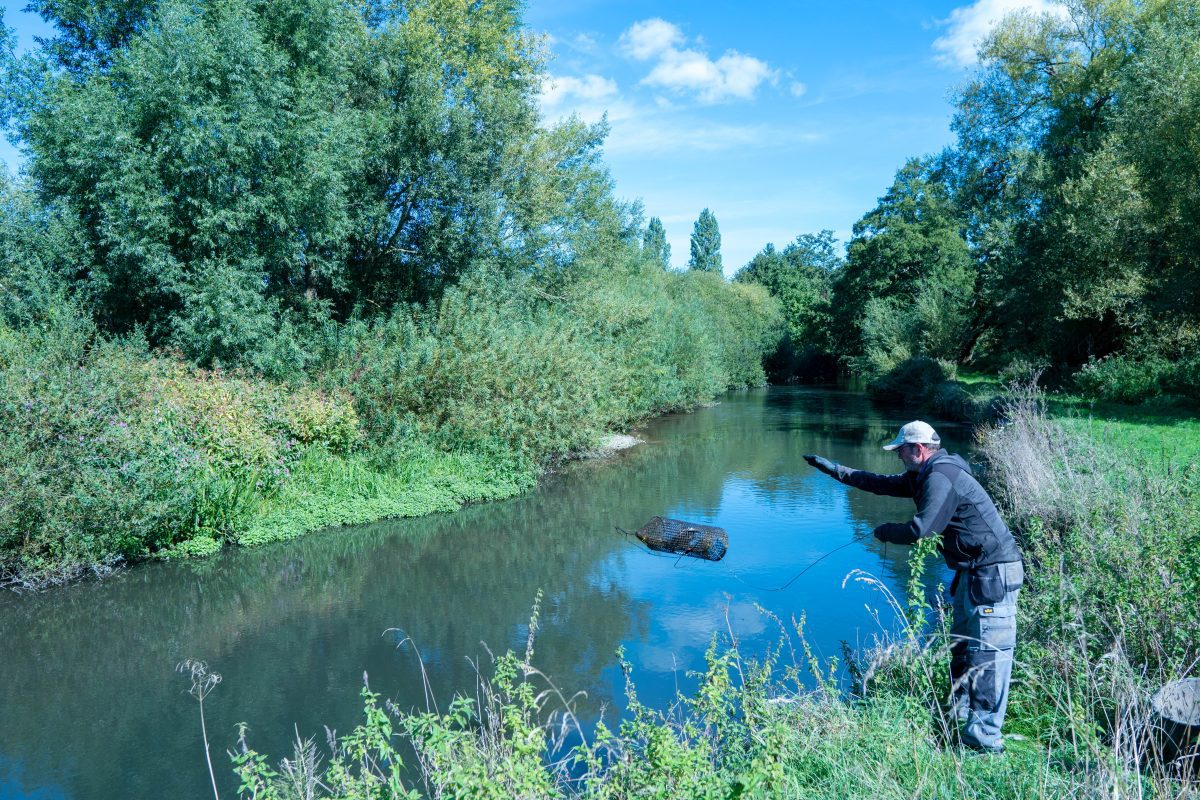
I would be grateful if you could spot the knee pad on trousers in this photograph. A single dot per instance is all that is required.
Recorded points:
(983, 686)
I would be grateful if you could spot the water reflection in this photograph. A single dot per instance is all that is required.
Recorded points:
(90, 706)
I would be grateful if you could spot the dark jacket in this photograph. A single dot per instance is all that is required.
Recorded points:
(950, 502)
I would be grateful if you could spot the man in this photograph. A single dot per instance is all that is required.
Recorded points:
(988, 572)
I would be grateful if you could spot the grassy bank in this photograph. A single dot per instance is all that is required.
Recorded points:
(1107, 615)
(111, 452)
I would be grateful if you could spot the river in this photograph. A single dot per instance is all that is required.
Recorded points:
(91, 707)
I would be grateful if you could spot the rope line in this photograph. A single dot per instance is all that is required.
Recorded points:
(734, 572)
(799, 574)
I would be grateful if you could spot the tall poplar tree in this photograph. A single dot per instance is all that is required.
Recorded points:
(655, 244)
(706, 244)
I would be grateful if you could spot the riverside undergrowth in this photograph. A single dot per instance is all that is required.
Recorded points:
(111, 452)
(1106, 616)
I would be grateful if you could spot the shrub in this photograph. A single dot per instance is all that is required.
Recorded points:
(510, 369)
(88, 477)
(110, 454)
(913, 381)
(1124, 379)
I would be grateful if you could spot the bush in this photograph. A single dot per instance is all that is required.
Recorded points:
(510, 369)
(88, 477)
(1124, 379)
(671, 341)
(912, 382)
(109, 454)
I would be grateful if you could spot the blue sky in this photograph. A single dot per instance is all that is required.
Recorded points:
(782, 118)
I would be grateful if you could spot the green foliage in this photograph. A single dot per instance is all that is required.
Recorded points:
(236, 172)
(88, 478)
(706, 244)
(39, 249)
(909, 274)
(1075, 147)
(503, 374)
(1123, 379)
(800, 277)
(112, 453)
(655, 245)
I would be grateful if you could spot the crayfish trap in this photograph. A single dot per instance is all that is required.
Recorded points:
(681, 538)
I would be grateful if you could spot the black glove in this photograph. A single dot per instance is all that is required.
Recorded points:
(823, 464)
(896, 533)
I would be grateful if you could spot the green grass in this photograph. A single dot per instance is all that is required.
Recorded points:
(1163, 436)
(328, 490)
(979, 382)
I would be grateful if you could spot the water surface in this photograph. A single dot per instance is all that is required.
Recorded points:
(90, 706)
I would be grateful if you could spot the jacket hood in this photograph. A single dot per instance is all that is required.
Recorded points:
(945, 457)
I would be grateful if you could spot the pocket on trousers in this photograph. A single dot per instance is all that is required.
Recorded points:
(997, 631)
(986, 585)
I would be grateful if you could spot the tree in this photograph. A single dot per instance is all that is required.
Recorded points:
(908, 254)
(706, 244)
(655, 245)
(238, 167)
(800, 277)
(1053, 209)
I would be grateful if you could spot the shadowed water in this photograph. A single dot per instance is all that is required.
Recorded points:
(90, 706)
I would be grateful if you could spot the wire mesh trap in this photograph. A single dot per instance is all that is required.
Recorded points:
(675, 536)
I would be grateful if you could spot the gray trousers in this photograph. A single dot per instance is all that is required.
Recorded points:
(981, 654)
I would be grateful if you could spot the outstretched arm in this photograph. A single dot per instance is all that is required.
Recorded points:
(890, 485)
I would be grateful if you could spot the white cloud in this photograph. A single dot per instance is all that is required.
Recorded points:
(970, 25)
(683, 70)
(798, 89)
(650, 37)
(559, 91)
(584, 42)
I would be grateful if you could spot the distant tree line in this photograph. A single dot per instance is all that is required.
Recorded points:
(1059, 232)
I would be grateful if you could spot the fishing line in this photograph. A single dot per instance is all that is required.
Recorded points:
(734, 574)
(798, 575)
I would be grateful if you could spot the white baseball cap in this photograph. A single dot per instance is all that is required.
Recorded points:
(915, 432)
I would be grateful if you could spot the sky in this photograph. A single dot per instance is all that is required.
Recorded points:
(782, 118)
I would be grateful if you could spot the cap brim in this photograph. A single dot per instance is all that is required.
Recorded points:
(894, 445)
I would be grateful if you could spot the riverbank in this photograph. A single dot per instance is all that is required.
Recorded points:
(111, 453)
(1107, 615)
